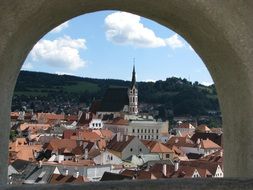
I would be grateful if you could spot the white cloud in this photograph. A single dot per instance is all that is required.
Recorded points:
(150, 80)
(126, 29)
(174, 42)
(27, 66)
(63, 73)
(206, 83)
(61, 52)
(60, 27)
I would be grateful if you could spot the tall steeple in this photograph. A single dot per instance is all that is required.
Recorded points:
(133, 83)
(133, 94)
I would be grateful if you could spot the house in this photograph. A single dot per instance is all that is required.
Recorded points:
(214, 168)
(138, 174)
(215, 137)
(124, 146)
(203, 129)
(40, 175)
(164, 152)
(108, 176)
(20, 149)
(185, 129)
(106, 157)
(62, 179)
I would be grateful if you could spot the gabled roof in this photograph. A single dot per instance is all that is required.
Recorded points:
(156, 147)
(119, 121)
(120, 144)
(20, 165)
(203, 129)
(40, 175)
(208, 144)
(210, 166)
(62, 144)
(140, 174)
(181, 142)
(108, 176)
(214, 157)
(60, 179)
(186, 126)
(216, 138)
(104, 133)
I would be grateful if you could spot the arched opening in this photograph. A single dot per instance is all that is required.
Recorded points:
(207, 31)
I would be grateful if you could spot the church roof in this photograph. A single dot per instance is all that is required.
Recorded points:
(114, 99)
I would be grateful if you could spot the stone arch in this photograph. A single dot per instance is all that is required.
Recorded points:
(219, 31)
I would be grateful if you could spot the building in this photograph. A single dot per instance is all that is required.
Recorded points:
(118, 101)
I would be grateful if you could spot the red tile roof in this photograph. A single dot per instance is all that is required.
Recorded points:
(186, 125)
(208, 144)
(60, 179)
(119, 145)
(156, 147)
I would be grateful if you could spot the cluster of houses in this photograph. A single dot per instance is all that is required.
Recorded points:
(111, 141)
(55, 149)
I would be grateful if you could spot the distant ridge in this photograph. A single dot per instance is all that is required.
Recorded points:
(176, 94)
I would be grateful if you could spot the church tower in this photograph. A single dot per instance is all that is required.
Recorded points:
(133, 95)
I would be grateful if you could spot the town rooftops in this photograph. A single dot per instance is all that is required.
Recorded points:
(60, 179)
(186, 126)
(216, 138)
(208, 144)
(108, 176)
(119, 142)
(156, 147)
(203, 129)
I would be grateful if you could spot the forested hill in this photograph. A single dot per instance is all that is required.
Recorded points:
(175, 94)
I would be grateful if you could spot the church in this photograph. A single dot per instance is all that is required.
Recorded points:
(118, 101)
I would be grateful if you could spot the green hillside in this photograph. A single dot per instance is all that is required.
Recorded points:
(176, 94)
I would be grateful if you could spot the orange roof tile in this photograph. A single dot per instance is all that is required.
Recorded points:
(203, 128)
(157, 147)
(207, 144)
(186, 125)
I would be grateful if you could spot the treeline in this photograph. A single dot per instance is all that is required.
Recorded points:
(178, 95)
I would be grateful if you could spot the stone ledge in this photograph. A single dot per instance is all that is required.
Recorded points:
(166, 184)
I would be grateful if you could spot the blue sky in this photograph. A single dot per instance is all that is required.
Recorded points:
(103, 45)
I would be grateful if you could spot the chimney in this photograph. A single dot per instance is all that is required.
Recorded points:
(221, 153)
(86, 154)
(176, 140)
(164, 169)
(66, 172)
(121, 138)
(76, 174)
(118, 137)
(127, 138)
(40, 164)
(198, 141)
(87, 116)
(176, 165)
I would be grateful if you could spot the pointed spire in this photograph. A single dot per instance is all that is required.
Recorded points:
(133, 76)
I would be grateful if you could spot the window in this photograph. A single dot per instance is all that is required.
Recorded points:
(140, 150)
(138, 130)
(157, 131)
(152, 130)
(131, 150)
(167, 155)
(156, 136)
(133, 130)
(149, 131)
(145, 130)
(141, 130)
